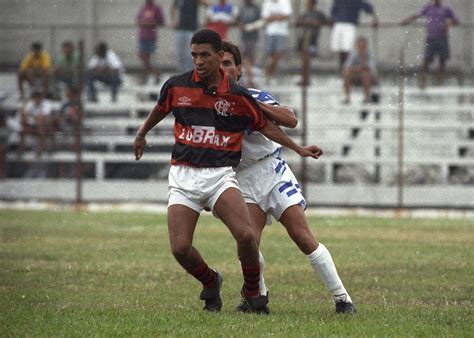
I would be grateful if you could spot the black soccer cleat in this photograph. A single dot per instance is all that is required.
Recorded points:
(343, 305)
(256, 305)
(212, 296)
(244, 307)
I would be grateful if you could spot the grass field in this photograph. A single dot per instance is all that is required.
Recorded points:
(111, 274)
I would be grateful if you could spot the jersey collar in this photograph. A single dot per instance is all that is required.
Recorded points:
(223, 87)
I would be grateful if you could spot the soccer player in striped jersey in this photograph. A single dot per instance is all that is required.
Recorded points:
(211, 114)
(270, 188)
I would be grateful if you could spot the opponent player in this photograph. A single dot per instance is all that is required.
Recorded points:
(270, 188)
(211, 113)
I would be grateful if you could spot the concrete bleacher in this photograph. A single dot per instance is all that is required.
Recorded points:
(360, 142)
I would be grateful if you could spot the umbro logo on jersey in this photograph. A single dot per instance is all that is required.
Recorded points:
(184, 100)
(222, 107)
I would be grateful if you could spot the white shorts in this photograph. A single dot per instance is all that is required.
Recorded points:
(198, 188)
(271, 185)
(343, 37)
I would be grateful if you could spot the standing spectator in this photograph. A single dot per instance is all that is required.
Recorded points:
(149, 17)
(276, 14)
(184, 18)
(66, 69)
(359, 69)
(248, 19)
(345, 15)
(35, 68)
(105, 66)
(221, 17)
(310, 21)
(439, 19)
(35, 117)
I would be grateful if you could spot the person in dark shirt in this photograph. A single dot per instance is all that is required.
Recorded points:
(345, 16)
(211, 114)
(149, 18)
(310, 23)
(184, 19)
(249, 18)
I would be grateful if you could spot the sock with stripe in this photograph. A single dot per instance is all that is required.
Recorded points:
(321, 261)
(251, 280)
(204, 274)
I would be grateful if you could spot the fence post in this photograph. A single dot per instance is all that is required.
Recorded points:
(78, 128)
(401, 115)
(305, 79)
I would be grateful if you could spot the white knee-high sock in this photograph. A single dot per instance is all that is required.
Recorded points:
(321, 261)
(262, 286)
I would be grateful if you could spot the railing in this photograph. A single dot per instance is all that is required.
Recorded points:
(386, 41)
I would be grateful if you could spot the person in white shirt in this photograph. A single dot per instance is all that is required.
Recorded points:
(270, 188)
(35, 118)
(276, 14)
(104, 66)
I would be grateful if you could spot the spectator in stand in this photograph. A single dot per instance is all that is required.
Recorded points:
(35, 118)
(249, 23)
(184, 18)
(35, 68)
(439, 19)
(106, 67)
(149, 18)
(220, 17)
(276, 14)
(66, 69)
(345, 16)
(68, 114)
(3, 143)
(310, 22)
(359, 69)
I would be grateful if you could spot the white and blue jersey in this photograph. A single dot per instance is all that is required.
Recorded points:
(264, 178)
(256, 146)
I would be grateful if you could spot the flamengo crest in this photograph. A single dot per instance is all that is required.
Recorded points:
(222, 106)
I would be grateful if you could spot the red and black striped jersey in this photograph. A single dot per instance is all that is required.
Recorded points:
(209, 122)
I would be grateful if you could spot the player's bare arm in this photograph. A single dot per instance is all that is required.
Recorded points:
(281, 115)
(153, 118)
(274, 133)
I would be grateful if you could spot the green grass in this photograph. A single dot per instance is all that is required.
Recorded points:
(112, 274)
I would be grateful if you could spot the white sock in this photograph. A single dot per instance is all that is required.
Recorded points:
(321, 261)
(261, 284)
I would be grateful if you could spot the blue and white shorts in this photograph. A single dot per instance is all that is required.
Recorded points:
(271, 185)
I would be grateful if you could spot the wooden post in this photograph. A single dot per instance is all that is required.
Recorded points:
(78, 128)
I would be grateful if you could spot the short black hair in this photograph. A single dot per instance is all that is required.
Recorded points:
(207, 36)
(36, 93)
(101, 48)
(36, 46)
(68, 43)
(229, 47)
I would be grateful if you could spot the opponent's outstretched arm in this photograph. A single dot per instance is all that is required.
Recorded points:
(274, 133)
